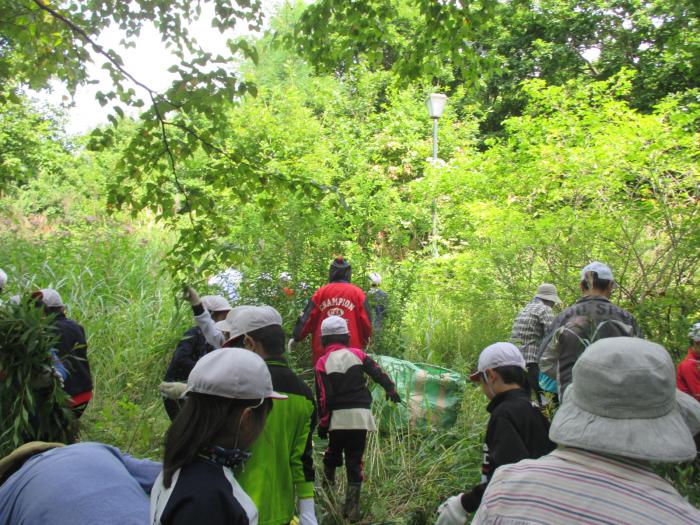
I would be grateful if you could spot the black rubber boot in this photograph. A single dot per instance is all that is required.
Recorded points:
(351, 509)
(328, 476)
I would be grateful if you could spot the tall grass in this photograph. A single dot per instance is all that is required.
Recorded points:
(113, 284)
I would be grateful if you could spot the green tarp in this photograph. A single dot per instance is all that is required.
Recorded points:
(431, 395)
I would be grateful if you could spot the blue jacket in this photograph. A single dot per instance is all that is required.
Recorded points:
(81, 484)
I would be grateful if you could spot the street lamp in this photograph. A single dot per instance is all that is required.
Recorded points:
(435, 104)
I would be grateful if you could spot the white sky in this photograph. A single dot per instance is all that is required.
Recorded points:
(148, 62)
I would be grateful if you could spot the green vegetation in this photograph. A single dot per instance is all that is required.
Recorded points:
(550, 161)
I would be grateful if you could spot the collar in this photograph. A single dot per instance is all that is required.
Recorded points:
(626, 468)
(516, 393)
(277, 361)
(334, 347)
(586, 298)
(226, 457)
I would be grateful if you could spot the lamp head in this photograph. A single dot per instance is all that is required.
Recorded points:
(435, 104)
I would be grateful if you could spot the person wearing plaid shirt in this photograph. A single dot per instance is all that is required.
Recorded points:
(530, 327)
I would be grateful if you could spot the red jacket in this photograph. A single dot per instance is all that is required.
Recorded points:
(688, 376)
(336, 298)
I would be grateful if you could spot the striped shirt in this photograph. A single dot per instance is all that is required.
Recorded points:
(530, 327)
(576, 487)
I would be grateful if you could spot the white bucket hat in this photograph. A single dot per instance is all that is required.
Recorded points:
(234, 373)
(498, 354)
(623, 402)
(548, 292)
(375, 278)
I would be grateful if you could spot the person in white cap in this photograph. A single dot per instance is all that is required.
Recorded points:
(229, 395)
(516, 430)
(688, 377)
(529, 328)
(344, 406)
(592, 317)
(619, 416)
(3, 280)
(279, 478)
(378, 301)
(194, 344)
(71, 349)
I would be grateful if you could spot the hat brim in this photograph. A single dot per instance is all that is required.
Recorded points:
(666, 439)
(475, 377)
(547, 297)
(276, 395)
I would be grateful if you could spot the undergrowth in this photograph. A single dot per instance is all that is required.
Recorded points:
(113, 283)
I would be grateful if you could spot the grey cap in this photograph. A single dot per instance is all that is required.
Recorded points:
(234, 373)
(623, 402)
(244, 319)
(548, 292)
(215, 303)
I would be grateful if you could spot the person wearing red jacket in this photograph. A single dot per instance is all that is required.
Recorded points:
(688, 375)
(338, 297)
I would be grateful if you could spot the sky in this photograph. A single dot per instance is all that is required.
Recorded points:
(148, 62)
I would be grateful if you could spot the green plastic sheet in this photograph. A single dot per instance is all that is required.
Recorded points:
(431, 395)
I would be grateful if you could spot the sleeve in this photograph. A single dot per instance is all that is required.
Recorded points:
(306, 321)
(681, 383)
(208, 327)
(323, 387)
(302, 462)
(144, 471)
(183, 359)
(365, 321)
(373, 370)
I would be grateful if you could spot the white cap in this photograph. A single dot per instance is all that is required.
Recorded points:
(603, 271)
(375, 278)
(694, 332)
(215, 303)
(3, 278)
(334, 325)
(244, 319)
(498, 354)
(49, 297)
(234, 373)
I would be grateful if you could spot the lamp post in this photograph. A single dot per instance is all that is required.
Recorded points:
(435, 104)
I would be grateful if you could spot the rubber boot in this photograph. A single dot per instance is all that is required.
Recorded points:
(351, 509)
(328, 476)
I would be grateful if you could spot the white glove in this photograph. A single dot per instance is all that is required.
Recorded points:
(290, 345)
(307, 512)
(172, 390)
(451, 512)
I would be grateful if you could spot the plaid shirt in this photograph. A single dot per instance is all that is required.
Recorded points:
(530, 327)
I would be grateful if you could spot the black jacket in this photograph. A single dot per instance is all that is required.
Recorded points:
(191, 348)
(517, 430)
(72, 351)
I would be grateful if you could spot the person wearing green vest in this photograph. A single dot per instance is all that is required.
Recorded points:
(280, 474)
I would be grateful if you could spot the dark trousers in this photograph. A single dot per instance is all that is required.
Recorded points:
(533, 381)
(351, 443)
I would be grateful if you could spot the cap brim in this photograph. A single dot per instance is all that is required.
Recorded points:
(276, 395)
(553, 298)
(475, 377)
(665, 439)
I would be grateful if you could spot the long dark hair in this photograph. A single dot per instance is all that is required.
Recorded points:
(203, 418)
